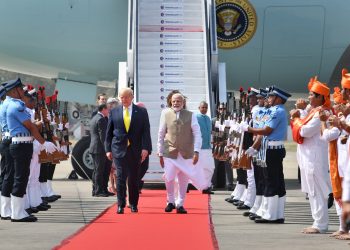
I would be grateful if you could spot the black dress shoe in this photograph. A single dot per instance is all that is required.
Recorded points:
(45, 204)
(6, 218)
(253, 216)
(243, 207)
(57, 196)
(134, 209)
(169, 208)
(238, 203)
(262, 220)
(29, 218)
(110, 193)
(31, 210)
(181, 210)
(101, 195)
(49, 199)
(247, 213)
(207, 191)
(120, 210)
(42, 207)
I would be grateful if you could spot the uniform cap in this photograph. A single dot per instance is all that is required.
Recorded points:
(274, 91)
(11, 84)
(262, 93)
(253, 92)
(345, 81)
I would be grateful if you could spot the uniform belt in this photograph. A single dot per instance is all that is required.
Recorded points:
(24, 139)
(275, 144)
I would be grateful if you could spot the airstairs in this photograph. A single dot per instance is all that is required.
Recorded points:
(171, 45)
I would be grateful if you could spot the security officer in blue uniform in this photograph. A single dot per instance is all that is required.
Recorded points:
(22, 131)
(7, 169)
(3, 156)
(275, 130)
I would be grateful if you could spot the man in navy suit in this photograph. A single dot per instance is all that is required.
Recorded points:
(128, 143)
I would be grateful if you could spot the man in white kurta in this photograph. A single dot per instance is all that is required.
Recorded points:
(179, 143)
(313, 160)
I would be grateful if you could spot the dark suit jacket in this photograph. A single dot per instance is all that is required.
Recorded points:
(138, 135)
(98, 126)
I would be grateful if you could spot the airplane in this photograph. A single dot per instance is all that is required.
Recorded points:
(79, 44)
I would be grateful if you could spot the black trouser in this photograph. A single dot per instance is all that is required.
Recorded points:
(7, 169)
(127, 167)
(142, 171)
(98, 173)
(106, 172)
(259, 179)
(273, 173)
(228, 172)
(242, 177)
(44, 172)
(50, 171)
(22, 155)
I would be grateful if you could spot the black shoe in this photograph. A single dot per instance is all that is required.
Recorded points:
(134, 209)
(243, 207)
(207, 191)
(330, 200)
(57, 196)
(254, 216)
(29, 218)
(101, 195)
(238, 203)
(45, 204)
(6, 218)
(42, 207)
(120, 210)
(262, 220)
(49, 199)
(181, 210)
(247, 213)
(31, 210)
(169, 208)
(110, 193)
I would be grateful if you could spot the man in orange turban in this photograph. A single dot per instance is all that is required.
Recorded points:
(313, 156)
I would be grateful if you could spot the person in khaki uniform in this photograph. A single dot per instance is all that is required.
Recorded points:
(179, 143)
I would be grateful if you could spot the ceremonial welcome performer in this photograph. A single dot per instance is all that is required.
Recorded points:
(128, 143)
(179, 143)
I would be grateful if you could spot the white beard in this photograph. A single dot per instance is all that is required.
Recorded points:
(177, 109)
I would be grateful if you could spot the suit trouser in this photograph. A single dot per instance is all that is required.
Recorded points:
(98, 173)
(7, 169)
(242, 176)
(128, 168)
(142, 171)
(22, 155)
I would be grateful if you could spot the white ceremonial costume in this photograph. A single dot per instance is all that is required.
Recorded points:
(314, 169)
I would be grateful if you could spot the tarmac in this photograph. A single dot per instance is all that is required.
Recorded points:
(233, 231)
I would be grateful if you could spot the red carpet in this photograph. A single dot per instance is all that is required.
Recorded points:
(150, 228)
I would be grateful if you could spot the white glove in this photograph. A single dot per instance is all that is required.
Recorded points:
(244, 126)
(67, 125)
(49, 147)
(251, 151)
(60, 126)
(64, 149)
(36, 147)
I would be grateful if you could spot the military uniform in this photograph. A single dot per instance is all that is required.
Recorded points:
(7, 169)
